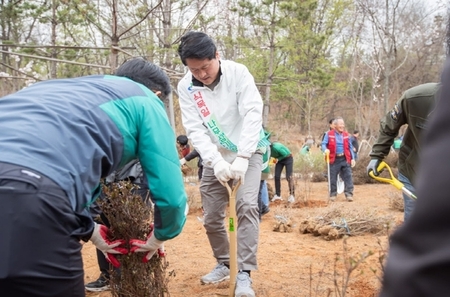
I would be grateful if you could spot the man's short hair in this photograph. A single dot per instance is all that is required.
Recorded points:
(145, 72)
(355, 132)
(331, 121)
(196, 45)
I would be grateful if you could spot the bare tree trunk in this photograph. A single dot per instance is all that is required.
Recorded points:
(167, 26)
(269, 79)
(5, 36)
(387, 70)
(54, 55)
(113, 59)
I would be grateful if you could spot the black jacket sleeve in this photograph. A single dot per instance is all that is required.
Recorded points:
(192, 155)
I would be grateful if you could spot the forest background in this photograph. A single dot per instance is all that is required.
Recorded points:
(312, 59)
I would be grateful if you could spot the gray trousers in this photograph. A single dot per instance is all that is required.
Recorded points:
(215, 199)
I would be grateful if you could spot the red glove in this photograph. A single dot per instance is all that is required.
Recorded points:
(100, 239)
(150, 246)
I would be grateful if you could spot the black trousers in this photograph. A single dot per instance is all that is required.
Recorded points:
(40, 252)
(287, 162)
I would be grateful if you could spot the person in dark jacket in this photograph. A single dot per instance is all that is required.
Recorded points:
(183, 146)
(418, 262)
(412, 109)
(355, 144)
(192, 155)
(59, 139)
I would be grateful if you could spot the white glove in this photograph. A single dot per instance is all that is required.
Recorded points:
(239, 168)
(222, 171)
(182, 161)
(352, 163)
(326, 152)
(100, 239)
(150, 246)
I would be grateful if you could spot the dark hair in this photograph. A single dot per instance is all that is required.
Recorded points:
(196, 45)
(145, 72)
(331, 121)
(182, 139)
(355, 131)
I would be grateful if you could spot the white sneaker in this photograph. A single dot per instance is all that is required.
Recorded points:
(244, 285)
(276, 197)
(218, 274)
(291, 199)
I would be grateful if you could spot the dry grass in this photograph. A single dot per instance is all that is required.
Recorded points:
(335, 222)
(130, 218)
(396, 201)
(194, 199)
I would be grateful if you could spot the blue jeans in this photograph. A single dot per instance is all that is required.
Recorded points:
(408, 201)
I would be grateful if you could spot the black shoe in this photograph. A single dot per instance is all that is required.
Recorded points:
(101, 284)
(265, 210)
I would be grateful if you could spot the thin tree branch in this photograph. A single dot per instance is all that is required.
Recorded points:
(93, 22)
(55, 60)
(62, 46)
(121, 50)
(17, 70)
(141, 20)
(191, 23)
(13, 77)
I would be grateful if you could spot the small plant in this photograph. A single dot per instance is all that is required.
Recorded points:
(351, 263)
(308, 167)
(130, 217)
(396, 201)
(382, 255)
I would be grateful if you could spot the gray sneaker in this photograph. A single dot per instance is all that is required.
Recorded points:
(244, 285)
(333, 198)
(218, 274)
(349, 198)
(100, 285)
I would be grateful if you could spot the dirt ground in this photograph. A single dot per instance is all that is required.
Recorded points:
(290, 264)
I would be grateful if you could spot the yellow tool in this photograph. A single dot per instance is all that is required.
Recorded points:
(393, 181)
(232, 228)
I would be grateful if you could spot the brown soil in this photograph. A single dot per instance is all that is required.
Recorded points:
(290, 264)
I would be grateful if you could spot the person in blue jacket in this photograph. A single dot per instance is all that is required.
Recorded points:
(58, 139)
